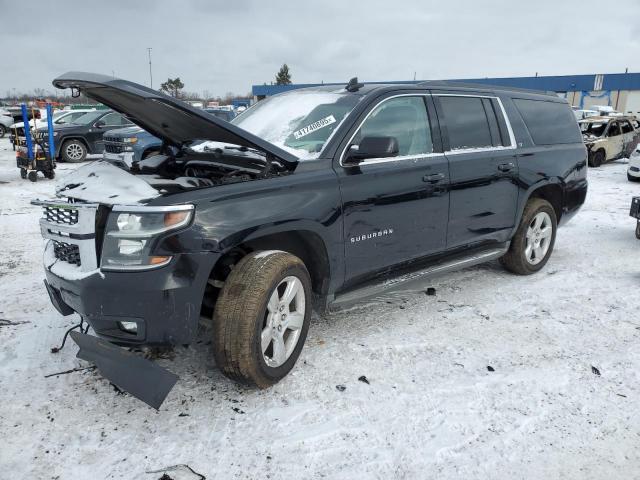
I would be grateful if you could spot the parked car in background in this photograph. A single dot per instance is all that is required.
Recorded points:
(311, 199)
(60, 117)
(126, 145)
(609, 138)
(223, 113)
(74, 141)
(582, 114)
(6, 120)
(16, 113)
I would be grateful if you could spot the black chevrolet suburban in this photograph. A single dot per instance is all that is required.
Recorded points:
(310, 199)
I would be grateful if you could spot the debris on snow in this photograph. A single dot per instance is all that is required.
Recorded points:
(363, 379)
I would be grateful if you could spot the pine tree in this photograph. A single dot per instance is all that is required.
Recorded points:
(283, 77)
(172, 87)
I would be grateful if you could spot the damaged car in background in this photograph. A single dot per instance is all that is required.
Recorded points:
(311, 199)
(609, 138)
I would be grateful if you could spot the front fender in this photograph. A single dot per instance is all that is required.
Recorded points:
(229, 215)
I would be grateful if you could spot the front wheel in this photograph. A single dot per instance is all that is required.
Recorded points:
(73, 151)
(261, 318)
(597, 159)
(532, 244)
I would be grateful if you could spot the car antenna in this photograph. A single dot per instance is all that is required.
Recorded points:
(353, 85)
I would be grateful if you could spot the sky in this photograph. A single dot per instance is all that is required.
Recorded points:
(228, 46)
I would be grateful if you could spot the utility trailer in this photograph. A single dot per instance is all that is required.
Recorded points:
(33, 155)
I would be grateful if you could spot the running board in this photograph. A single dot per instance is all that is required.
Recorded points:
(397, 283)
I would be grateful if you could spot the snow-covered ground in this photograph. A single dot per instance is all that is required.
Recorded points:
(432, 408)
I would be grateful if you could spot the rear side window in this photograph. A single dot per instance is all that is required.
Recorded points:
(466, 121)
(549, 123)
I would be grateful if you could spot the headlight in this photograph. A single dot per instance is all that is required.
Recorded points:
(55, 134)
(131, 231)
(130, 139)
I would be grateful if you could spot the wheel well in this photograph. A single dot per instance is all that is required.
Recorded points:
(553, 195)
(306, 245)
(148, 150)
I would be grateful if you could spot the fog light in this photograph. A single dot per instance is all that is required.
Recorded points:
(129, 327)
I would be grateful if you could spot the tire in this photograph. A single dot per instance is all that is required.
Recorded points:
(3, 131)
(33, 175)
(23, 173)
(638, 230)
(73, 151)
(50, 174)
(242, 318)
(597, 159)
(633, 179)
(518, 258)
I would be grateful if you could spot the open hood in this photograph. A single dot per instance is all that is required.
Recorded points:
(172, 120)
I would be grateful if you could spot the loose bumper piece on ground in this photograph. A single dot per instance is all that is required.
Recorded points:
(140, 377)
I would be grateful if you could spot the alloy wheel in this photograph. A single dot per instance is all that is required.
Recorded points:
(539, 236)
(283, 322)
(74, 151)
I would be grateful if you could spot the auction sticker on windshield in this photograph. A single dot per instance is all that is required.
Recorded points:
(323, 122)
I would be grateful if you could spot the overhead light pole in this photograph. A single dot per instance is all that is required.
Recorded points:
(150, 74)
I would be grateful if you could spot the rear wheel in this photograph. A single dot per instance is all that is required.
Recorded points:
(533, 242)
(73, 151)
(23, 173)
(3, 131)
(261, 318)
(597, 159)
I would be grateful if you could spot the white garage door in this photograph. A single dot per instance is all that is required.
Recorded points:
(633, 103)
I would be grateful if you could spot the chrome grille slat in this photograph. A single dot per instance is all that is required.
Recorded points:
(70, 229)
(65, 216)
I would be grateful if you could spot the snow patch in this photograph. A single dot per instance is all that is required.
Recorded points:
(102, 182)
(266, 253)
(65, 270)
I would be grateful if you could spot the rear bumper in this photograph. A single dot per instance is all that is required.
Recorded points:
(140, 377)
(164, 303)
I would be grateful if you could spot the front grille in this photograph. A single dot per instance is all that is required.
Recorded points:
(66, 216)
(67, 252)
(113, 145)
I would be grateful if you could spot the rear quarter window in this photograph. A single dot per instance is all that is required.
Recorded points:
(549, 123)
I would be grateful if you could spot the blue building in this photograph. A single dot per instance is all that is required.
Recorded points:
(618, 90)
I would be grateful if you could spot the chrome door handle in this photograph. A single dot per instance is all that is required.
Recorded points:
(433, 178)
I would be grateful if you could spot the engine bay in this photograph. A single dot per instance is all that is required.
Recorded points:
(207, 166)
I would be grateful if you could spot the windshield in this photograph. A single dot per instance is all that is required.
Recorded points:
(593, 128)
(88, 118)
(300, 122)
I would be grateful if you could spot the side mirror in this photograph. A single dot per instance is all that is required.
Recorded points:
(373, 147)
(99, 124)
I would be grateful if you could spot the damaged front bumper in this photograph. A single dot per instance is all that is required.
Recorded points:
(138, 376)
